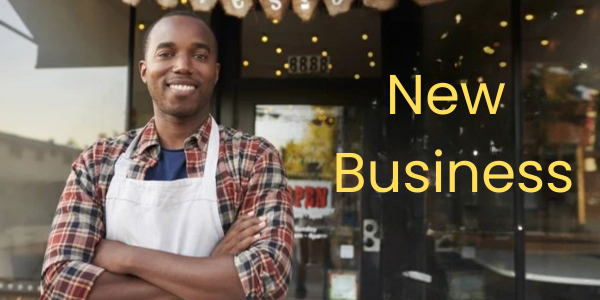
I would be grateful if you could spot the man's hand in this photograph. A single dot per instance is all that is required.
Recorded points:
(244, 232)
(112, 256)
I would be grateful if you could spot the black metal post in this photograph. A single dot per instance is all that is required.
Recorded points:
(130, 65)
(518, 205)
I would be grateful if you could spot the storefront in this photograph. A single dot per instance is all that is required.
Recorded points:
(319, 87)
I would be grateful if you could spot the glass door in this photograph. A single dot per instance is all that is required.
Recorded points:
(327, 224)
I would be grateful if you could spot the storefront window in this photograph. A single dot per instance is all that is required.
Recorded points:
(473, 231)
(63, 81)
(468, 225)
(561, 80)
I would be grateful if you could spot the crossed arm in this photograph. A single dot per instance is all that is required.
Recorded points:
(80, 264)
(188, 277)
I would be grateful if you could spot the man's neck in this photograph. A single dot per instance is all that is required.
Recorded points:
(172, 132)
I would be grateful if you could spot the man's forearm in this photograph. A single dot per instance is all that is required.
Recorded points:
(111, 286)
(214, 278)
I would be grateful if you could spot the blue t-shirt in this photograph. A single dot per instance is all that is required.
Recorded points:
(170, 166)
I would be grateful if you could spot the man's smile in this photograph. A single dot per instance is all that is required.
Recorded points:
(182, 86)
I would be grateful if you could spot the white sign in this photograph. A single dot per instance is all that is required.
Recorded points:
(343, 287)
(311, 198)
(347, 251)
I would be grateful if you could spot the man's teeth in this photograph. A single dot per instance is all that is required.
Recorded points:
(182, 87)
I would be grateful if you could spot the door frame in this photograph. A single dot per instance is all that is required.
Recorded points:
(239, 109)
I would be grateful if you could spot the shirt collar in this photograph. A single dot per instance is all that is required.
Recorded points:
(150, 145)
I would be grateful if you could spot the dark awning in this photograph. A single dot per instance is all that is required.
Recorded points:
(72, 34)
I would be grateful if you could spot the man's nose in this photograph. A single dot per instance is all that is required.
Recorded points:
(182, 64)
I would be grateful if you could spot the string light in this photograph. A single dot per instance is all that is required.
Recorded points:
(275, 21)
(141, 26)
(357, 76)
(286, 66)
(278, 50)
(370, 54)
(544, 42)
(529, 17)
(488, 50)
(580, 11)
(372, 64)
(264, 38)
(324, 53)
(583, 66)
(278, 73)
(329, 66)
(444, 35)
(502, 64)
(458, 18)
(480, 79)
(503, 23)
(314, 39)
(184, 2)
(365, 37)
(246, 63)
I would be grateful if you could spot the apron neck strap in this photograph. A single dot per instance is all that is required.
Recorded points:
(212, 154)
(129, 152)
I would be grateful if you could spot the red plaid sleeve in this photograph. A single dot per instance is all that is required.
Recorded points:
(77, 226)
(265, 268)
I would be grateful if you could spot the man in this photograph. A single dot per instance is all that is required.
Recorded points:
(143, 215)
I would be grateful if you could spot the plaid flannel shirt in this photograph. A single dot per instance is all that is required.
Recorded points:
(250, 177)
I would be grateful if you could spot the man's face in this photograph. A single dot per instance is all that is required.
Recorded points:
(180, 66)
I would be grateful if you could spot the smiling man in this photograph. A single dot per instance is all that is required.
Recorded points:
(181, 208)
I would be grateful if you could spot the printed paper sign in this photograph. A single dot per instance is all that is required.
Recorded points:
(311, 198)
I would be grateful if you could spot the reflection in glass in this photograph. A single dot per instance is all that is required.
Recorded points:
(60, 92)
(561, 80)
(469, 231)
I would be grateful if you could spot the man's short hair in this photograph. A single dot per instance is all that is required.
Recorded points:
(174, 13)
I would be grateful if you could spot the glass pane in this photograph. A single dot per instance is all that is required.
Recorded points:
(63, 83)
(327, 225)
(469, 226)
(319, 48)
(561, 73)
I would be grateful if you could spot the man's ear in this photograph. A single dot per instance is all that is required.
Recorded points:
(218, 70)
(143, 69)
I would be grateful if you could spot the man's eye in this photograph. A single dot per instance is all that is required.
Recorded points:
(200, 56)
(165, 54)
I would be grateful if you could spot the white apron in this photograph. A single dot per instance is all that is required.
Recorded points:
(180, 216)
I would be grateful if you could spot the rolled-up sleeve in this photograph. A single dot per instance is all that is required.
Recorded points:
(265, 268)
(67, 272)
